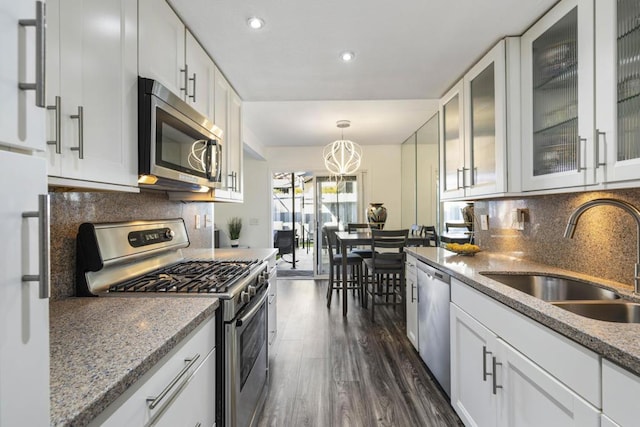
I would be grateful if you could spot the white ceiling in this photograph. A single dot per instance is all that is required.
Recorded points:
(407, 51)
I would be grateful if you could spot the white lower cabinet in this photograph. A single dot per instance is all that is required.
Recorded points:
(507, 370)
(412, 300)
(182, 385)
(620, 389)
(529, 396)
(471, 394)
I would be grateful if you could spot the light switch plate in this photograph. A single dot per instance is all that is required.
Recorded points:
(198, 225)
(484, 222)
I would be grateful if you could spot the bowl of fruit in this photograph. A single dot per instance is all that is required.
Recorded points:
(467, 249)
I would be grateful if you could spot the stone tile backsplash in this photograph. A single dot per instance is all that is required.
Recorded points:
(604, 245)
(70, 209)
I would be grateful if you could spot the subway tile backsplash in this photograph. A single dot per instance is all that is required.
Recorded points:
(605, 241)
(70, 209)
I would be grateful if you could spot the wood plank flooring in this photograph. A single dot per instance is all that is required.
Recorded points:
(327, 370)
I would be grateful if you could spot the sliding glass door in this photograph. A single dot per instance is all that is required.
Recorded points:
(338, 202)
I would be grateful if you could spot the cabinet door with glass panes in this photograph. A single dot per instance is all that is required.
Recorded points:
(617, 90)
(558, 98)
(452, 161)
(485, 124)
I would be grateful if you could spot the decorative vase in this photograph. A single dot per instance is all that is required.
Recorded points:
(376, 215)
(234, 243)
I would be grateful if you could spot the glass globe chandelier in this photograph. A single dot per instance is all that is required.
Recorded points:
(342, 157)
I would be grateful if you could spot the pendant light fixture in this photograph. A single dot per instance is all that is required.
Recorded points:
(342, 157)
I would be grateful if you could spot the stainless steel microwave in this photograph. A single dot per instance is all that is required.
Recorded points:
(179, 149)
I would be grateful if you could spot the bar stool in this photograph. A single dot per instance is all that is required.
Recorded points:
(387, 270)
(354, 266)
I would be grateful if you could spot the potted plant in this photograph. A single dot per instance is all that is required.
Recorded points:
(235, 226)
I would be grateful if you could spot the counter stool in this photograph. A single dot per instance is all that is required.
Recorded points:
(354, 267)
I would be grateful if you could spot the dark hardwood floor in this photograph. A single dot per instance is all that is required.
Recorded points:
(327, 370)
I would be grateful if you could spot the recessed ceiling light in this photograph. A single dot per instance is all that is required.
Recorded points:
(255, 23)
(347, 56)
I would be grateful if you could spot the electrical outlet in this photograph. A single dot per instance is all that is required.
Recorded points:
(484, 222)
(198, 225)
(207, 221)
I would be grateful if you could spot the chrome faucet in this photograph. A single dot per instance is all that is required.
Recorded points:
(632, 210)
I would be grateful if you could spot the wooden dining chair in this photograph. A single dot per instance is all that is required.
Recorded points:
(354, 267)
(384, 277)
(431, 235)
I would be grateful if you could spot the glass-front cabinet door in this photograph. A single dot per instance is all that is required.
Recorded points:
(558, 98)
(485, 124)
(618, 90)
(452, 162)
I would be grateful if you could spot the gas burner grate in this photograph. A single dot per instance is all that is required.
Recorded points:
(193, 276)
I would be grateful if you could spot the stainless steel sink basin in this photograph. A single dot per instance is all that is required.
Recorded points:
(621, 312)
(553, 288)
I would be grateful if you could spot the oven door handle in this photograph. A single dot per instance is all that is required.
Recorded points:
(247, 316)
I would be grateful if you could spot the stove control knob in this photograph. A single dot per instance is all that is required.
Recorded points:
(169, 234)
(244, 297)
(252, 290)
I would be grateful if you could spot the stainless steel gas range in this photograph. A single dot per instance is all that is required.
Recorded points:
(139, 257)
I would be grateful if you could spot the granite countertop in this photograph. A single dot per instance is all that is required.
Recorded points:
(101, 346)
(231, 253)
(618, 342)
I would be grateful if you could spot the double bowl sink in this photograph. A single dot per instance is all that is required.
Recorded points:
(576, 296)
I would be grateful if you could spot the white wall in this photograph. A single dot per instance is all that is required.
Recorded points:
(380, 163)
(255, 211)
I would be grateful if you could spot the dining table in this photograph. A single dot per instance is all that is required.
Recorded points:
(348, 240)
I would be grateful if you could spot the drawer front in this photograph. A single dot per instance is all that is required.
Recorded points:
(132, 407)
(571, 363)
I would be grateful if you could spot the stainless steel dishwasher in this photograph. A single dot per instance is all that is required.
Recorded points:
(434, 295)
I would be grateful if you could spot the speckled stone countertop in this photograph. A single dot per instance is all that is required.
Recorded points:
(230, 253)
(101, 346)
(618, 342)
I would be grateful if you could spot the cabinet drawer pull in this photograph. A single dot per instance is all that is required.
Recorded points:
(485, 374)
(154, 401)
(58, 140)
(41, 35)
(495, 376)
(193, 95)
(413, 299)
(80, 147)
(604, 134)
(43, 277)
(199, 424)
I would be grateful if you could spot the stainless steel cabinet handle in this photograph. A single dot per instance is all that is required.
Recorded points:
(44, 275)
(41, 36)
(598, 133)
(80, 147)
(464, 178)
(198, 425)
(193, 95)
(495, 377)
(185, 70)
(57, 141)
(412, 288)
(154, 401)
(458, 178)
(579, 154)
(485, 374)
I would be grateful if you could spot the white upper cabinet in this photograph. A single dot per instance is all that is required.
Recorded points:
(473, 119)
(617, 91)
(201, 77)
(452, 160)
(92, 95)
(558, 98)
(22, 122)
(170, 54)
(162, 45)
(228, 117)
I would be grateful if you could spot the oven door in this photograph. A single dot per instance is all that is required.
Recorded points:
(247, 362)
